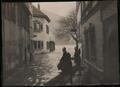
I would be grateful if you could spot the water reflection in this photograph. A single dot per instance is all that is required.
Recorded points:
(46, 65)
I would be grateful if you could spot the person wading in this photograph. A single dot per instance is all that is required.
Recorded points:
(65, 64)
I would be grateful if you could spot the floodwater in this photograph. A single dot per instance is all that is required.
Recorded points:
(46, 64)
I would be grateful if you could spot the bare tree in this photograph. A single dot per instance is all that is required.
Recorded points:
(68, 25)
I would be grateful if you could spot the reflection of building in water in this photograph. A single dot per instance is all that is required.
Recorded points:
(97, 22)
(15, 36)
(41, 31)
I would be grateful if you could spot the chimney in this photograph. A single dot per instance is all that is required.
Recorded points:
(39, 6)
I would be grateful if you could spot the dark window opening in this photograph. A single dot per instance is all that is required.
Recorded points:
(35, 44)
(40, 27)
(35, 27)
(39, 44)
(47, 29)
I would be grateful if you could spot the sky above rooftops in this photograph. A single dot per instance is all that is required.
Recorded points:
(59, 8)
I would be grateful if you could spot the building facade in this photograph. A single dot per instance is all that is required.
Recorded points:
(42, 41)
(15, 37)
(97, 22)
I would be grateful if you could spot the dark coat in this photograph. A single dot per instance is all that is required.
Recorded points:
(65, 63)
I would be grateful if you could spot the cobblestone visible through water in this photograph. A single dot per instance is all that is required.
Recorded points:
(43, 69)
(46, 64)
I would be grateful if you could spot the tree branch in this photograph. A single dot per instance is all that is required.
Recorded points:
(68, 23)
(73, 37)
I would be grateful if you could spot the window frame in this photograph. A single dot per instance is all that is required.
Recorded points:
(47, 29)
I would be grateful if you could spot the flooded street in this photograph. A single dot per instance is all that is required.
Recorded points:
(46, 65)
(42, 69)
(60, 43)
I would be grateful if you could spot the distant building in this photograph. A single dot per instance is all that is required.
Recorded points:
(97, 22)
(15, 37)
(41, 31)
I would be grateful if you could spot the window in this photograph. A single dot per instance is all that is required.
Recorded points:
(42, 45)
(47, 45)
(47, 29)
(35, 27)
(39, 44)
(40, 27)
(35, 44)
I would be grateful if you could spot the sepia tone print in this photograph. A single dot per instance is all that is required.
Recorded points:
(60, 43)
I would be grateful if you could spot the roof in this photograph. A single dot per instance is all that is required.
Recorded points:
(38, 13)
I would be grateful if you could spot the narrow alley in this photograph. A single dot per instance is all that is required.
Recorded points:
(42, 70)
(60, 43)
